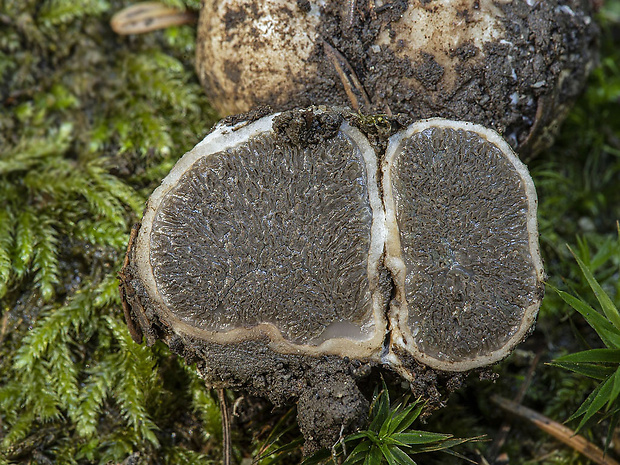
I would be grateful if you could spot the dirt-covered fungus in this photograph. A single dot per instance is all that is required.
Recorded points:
(512, 65)
(515, 66)
(287, 254)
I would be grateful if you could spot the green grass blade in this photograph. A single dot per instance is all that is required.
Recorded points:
(276, 433)
(444, 445)
(401, 456)
(358, 454)
(374, 457)
(593, 356)
(592, 371)
(605, 252)
(356, 436)
(610, 310)
(419, 437)
(387, 454)
(380, 410)
(405, 419)
(606, 331)
(615, 390)
(586, 403)
(294, 444)
(386, 425)
(600, 399)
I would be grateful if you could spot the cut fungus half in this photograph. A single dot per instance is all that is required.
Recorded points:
(462, 244)
(316, 248)
(250, 236)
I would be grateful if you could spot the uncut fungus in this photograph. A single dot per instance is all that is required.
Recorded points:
(512, 65)
(285, 255)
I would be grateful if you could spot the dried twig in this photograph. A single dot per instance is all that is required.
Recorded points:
(557, 430)
(3, 326)
(372, 8)
(348, 77)
(351, 13)
(506, 425)
(226, 441)
(149, 16)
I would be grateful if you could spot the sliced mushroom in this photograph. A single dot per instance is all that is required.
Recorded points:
(253, 236)
(281, 230)
(284, 259)
(462, 245)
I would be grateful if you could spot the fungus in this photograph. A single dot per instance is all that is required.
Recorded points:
(462, 244)
(252, 52)
(515, 66)
(282, 256)
(251, 235)
(511, 65)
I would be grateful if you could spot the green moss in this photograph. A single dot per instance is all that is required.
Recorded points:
(89, 121)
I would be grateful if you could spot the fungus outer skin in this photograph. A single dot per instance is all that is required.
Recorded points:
(439, 28)
(248, 50)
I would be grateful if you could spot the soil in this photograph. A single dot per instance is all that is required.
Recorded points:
(304, 127)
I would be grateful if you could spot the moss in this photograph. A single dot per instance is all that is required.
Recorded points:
(89, 122)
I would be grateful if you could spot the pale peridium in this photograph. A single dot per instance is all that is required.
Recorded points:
(441, 28)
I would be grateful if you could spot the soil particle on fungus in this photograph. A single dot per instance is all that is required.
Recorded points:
(288, 256)
(427, 71)
(303, 127)
(304, 5)
(329, 408)
(247, 117)
(514, 66)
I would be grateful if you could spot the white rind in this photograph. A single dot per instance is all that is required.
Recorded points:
(394, 262)
(225, 137)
